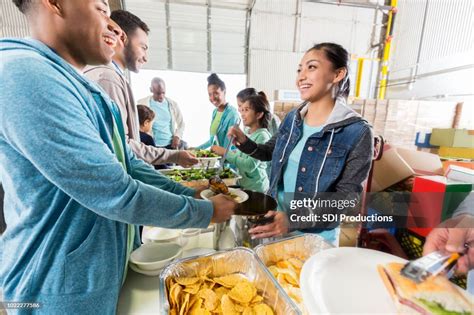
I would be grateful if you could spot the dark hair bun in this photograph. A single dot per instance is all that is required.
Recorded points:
(213, 79)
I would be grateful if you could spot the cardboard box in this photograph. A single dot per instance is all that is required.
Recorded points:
(455, 138)
(278, 106)
(282, 108)
(369, 111)
(457, 153)
(400, 122)
(433, 150)
(466, 164)
(460, 174)
(434, 199)
(287, 95)
(398, 164)
(422, 140)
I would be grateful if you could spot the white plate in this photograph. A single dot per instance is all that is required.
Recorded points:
(206, 194)
(204, 162)
(151, 273)
(345, 280)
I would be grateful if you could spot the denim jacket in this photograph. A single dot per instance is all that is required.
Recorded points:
(336, 159)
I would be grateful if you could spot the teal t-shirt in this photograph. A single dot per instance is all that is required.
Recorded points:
(290, 173)
(162, 132)
(253, 172)
(291, 168)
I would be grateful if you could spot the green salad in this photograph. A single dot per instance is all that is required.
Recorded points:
(205, 154)
(197, 174)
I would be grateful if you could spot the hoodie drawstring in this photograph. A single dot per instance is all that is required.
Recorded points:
(322, 164)
(289, 137)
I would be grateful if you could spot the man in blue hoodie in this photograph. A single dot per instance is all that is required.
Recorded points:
(73, 188)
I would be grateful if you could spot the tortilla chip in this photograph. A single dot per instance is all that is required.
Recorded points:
(185, 281)
(262, 309)
(229, 281)
(243, 292)
(227, 306)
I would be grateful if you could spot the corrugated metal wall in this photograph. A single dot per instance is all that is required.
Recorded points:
(446, 33)
(281, 31)
(228, 40)
(434, 62)
(431, 42)
(194, 37)
(13, 22)
(348, 26)
(153, 13)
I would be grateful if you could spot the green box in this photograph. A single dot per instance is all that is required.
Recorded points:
(454, 138)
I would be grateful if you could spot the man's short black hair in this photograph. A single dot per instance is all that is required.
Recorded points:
(128, 22)
(23, 5)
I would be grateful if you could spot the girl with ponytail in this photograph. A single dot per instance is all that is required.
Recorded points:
(243, 95)
(256, 117)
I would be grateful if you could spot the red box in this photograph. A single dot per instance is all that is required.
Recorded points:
(434, 200)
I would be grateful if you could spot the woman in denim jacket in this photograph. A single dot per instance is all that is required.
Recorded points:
(321, 153)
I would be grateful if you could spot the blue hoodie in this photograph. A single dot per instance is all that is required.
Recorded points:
(229, 118)
(67, 197)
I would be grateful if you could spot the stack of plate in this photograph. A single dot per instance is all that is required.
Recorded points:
(150, 258)
(160, 235)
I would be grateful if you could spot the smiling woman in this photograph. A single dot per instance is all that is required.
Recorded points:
(224, 115)
(322, 146)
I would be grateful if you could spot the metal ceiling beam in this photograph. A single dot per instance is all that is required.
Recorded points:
(214, 5)
(248, 24)
(209, 36)
(297, 30)
(351, 4)
(169, 42)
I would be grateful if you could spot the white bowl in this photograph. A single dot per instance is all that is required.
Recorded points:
(160, 235)
(204, 162)
(154, 256)
(242, 195)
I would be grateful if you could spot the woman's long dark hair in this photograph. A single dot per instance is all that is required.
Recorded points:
(246, 93)
(339, 57)
(259, 103)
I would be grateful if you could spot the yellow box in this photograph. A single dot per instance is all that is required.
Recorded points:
(462, 153)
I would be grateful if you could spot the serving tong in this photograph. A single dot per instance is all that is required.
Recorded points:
(431, 265)
(216, 184)
(227, 148)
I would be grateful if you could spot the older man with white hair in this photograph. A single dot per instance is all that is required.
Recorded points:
(168, 126)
